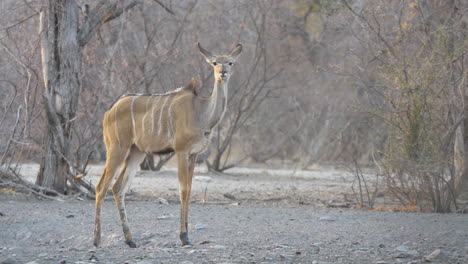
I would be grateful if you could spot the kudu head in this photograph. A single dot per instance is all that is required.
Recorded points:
(222, 64)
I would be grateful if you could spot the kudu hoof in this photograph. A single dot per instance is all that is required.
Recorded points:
(184, 239)
(131, 244)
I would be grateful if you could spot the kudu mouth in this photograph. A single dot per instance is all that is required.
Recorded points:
(223, 76)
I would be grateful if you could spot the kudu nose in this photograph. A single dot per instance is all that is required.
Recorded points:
(223, 73)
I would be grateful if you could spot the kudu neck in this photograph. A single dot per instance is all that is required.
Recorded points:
(217, 103)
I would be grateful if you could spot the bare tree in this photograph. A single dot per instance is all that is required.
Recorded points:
(62, 42)
(420, 75)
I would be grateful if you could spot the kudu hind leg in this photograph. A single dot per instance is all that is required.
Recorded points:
(186, 165)
(113, 162)
(121, 186)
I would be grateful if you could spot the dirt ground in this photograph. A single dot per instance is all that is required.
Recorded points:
(247, 216)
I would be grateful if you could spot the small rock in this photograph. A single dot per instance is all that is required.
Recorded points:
(315, 249)
(282, 246)
(402, 248)
(287, 256)
(409, 254)
(229, 196)
(318, 244)
(32, 262)
(164, 217)
(433, 255)
(162, 201)
(62, 261)
(8, 260)
(186, 262)
(205, 242)
(202, 178)
(218, 247)
(327, 219)
(70, 216)
(200, 226)
(381, 262)
(381, 246)
(93, 258)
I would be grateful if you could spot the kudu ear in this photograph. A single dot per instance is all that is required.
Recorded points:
(208, 56)
(236, 51)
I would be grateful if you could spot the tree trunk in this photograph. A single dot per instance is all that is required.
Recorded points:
(460, 101)
(460, 156)
(62, 79)
(62, 91)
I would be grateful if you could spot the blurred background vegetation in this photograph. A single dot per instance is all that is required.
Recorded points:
(380, 84)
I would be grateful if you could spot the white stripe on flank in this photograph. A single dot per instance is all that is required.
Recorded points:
(170, 130)
(115, 119)
(133, 115)
(144, 116)
(152, 112)
(160, 115)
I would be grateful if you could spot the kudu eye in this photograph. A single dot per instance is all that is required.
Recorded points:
(231, 63)
(214, 63)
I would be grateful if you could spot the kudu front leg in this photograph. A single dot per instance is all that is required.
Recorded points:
(186, 165)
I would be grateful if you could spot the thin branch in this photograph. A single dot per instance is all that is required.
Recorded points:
(99, 17)
(165, 7)
(18, 114)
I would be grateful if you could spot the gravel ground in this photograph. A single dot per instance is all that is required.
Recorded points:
(249, 216)
(61, 232)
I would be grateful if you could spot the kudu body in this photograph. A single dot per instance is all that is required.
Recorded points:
(179, 121)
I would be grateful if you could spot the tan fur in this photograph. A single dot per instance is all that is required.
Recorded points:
(179, 121)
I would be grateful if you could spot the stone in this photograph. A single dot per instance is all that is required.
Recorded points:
(202, 178)
(282, 246)
(200, 226)
(402, 248)
(327, 219)
(218, 247)
(408, 254)
(165, 217)
(287, 256)
(433, 255)
(229, 196)
(162, 201)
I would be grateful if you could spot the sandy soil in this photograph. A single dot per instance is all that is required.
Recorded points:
(277, 217)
